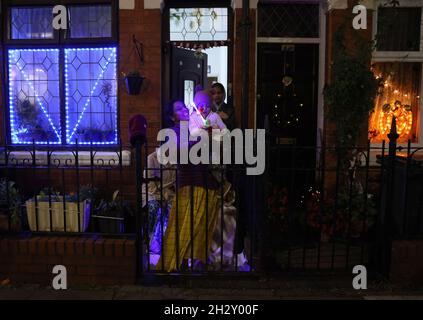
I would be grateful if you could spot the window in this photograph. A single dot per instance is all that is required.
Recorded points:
(198, 24)
(398, 29)
(288, 20)
(66, 93)
(398, 62)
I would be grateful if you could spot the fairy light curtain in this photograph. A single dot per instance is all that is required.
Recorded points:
(399, 97)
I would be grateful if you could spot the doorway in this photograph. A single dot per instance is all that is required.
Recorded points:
(287, 104)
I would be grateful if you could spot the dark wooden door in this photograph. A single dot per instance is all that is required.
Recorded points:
(187, 71)
(287, 82)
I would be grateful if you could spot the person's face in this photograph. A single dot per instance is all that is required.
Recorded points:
(218, 95)
(204, 109)
(180, 112)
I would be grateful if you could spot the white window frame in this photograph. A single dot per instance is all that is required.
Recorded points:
(401, 56)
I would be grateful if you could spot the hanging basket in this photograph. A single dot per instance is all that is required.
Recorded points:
(134, 84)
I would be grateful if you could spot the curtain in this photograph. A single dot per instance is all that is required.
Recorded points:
(32, 23)
(399, 97)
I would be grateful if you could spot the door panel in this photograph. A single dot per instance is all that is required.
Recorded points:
(187, 71)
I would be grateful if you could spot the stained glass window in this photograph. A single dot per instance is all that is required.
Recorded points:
(63, 95)
(91, 95)
(291, 20)
(34, 100)
(198, 24)
(31, 23)
(90, 21)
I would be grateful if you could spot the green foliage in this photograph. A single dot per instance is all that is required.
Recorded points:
(351, 94)
(31, 124)
(117, 207)
(10, 199)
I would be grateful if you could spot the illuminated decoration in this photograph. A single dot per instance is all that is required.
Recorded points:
(90, 96)
(34, 105)
(91, 99)
(403, 115)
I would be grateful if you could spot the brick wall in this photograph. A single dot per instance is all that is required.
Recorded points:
(237, 69)
(407, 262)
(87, 260)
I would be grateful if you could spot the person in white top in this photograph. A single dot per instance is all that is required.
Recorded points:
(203, 117)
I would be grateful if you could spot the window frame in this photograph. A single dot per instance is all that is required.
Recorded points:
(61, 43)
(403, 56)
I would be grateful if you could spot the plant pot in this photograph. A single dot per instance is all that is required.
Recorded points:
(111, 225)
(134, 84)
(58, 215)
(4, 224)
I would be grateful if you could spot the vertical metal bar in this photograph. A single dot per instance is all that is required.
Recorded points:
(335, 212)
(147, 216)
(34, 176)
(177, 217)
(9, 218)
(77, 183)
(49, 186)
(192, 224)
(161, 216)
(365, 215)
(64, 198)
(139, 222)
(405, 189)
(322, 171)
(92, 183)
(207, 221)
(222, 225)
(350, 195)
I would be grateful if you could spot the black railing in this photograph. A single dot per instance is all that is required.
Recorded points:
(321, 208)
(62, 192)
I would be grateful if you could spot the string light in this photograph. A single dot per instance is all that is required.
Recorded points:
(109, 60)
(14, 130)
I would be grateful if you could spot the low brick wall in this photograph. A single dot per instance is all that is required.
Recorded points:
(88, 260)
(407, 261)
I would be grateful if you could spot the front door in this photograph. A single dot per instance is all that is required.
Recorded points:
(188, 70)
(287, 81)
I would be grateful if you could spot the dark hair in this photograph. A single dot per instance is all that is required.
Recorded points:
(219, 85)
(168, 114)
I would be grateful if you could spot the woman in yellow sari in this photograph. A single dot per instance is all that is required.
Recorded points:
(193, 216)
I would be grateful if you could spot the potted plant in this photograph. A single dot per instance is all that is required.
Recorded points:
(10, 206)
(64, 211)
(133, 81)
(110, 215)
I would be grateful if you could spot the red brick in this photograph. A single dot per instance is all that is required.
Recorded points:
(51, 246)
(109, 247)
(33, 245)
(42, 245)
(23, 246)
(32, 269)
(61, 245)
(99, 247)
(130, 250)
(79, 246)
(119, 247)
(89, 247)
(70, 246)
(89, 270)
(4, 246)
(13, 246)
(22, 259)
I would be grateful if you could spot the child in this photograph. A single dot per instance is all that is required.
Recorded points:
(203, 117)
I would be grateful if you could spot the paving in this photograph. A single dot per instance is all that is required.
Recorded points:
(235, 289)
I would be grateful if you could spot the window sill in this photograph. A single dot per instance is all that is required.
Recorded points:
(67, 158)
